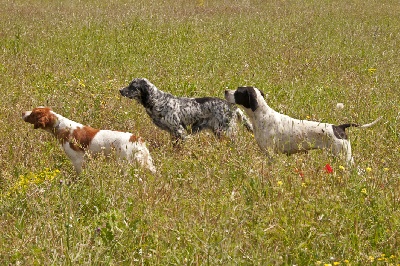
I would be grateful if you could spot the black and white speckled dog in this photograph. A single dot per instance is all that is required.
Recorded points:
(275, 132)
(176, 114)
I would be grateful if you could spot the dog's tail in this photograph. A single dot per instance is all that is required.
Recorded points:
(243, 119)
(344, 126)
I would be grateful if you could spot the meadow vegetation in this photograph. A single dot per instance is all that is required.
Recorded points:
(212, 202)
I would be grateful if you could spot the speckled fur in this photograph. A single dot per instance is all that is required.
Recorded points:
(176, 114)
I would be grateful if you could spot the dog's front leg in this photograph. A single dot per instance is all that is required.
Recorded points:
(76, 157)
(269, 153)
(178, 134)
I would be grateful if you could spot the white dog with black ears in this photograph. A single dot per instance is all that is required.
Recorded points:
(279, 133)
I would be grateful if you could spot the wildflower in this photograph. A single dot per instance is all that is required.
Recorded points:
(341, 167)
(328, 169)
(303, 184)
(368, 169)
(318, 262)
(371, 258)
(346, 261)
(336, 263)
(364, 191)
(33, 179)
(371, 70)
(339, 106)
(301, 174)
(280, 183)
(81, 84)
(385, 169)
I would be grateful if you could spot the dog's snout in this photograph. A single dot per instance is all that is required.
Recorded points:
(25, 114)
(229, 92)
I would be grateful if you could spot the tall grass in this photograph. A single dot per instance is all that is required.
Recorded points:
(212, 201)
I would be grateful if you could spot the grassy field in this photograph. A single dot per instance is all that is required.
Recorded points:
(212, 202)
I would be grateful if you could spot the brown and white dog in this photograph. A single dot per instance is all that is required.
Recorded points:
(77, 139)
(275, 132)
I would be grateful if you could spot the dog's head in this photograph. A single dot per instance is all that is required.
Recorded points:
(138, 89)
(248, 97)
(40, 117)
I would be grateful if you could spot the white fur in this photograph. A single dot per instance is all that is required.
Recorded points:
(279, 133)
(103, 142)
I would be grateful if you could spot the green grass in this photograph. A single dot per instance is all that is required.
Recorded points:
(215, 202)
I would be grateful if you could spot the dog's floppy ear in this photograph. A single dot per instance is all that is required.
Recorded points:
(247, 96)
(41, 122)
(143, 86)
(253, 99)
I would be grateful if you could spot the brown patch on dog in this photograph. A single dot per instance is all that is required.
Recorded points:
(81, 137)
(41, 117)
(135, 138)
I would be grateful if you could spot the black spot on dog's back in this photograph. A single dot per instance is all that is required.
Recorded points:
(204, 99)
(339, 132)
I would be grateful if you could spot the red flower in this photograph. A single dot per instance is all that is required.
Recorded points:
(328, 169)
(298, 171)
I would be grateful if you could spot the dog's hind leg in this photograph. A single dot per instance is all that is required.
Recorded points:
(342, 148)
(199, 126)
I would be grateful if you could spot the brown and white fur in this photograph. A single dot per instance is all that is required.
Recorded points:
(279, 133)
(77, 139)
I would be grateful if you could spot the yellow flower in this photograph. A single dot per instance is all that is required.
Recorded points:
(368, 169)
(371, 258)
(303, 184)
(336, 263)
(33, 179)
(341, 167)
(81, 84)
(364, 191)
(385, 169)
(280, 183)
(346, 261)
